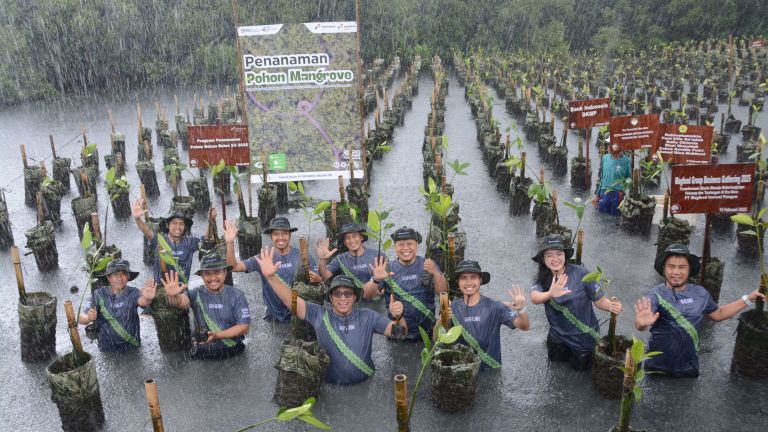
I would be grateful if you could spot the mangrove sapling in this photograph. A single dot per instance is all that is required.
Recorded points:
(542, 209)
(311, 213)
(174, 170)
(118, 193)
(428, 352)
(285, 415)
(93, 264)
(633, 376)
(377, 228)
(578, 207)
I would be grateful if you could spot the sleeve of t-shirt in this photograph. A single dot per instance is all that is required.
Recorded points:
(537, 287)
(380, 322)
(135, 296)
(654, 301)
(313, 264)
(196, 241)
(87, 304)
(313, 313)
(251, 265)
(711, 306)
(334, 266)
(241, 310)
(506, 315)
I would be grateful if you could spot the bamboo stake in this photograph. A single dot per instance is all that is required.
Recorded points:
(141, 129)
(144, 206)
(82, 132)
(95, 226)
(304, 249)
(588, 175)
(43, 171)
(579, 245)
(19, 276)
(341, 189)
(39, 207)
(401, 403)
(24, 156)
(86, 184)
(522, 165)
(445, 308)
(150, 386)
(74, 336)
(111, 120)
(53, 147)
(627, 392)
(706, 251)
(333, 216)
(176, 102)
(666, 207)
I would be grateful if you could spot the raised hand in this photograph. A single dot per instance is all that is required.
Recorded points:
(379, 269)
(321, 248)
(137, 208)
(171, 283)
(643, 316)
(518, 298)
(559, 286)
(395, 307)
(149, 289)
(266, 262)
(314, 278)
(230, 230)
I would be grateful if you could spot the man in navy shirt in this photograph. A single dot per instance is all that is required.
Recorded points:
(279, 230)
(674, 311)
(113, 307)
(411, 283)
(357, 263)
(183, 244)
(220, 309)
(482, 317)
(343, 331)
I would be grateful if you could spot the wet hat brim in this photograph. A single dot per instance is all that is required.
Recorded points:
(131, 274)
(200, 272)
(485, 277)
(271, 228)
(540, 256)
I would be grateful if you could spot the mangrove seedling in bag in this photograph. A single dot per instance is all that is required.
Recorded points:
(377, 229)
(118, 189)
(285, 415)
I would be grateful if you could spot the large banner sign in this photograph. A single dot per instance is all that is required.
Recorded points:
(301, 95)
(722, 188)
(208, 144)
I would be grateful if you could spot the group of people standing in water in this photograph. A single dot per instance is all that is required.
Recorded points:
(408, 284)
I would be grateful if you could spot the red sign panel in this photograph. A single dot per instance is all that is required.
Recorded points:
(635, 132)
(590, 112)
(757, 43)
(723, 188)
(210, 144)
(685, 144)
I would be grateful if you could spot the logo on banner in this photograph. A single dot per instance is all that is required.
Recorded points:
(683, 129)
(277, 161)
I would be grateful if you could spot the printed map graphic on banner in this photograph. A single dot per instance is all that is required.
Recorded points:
(301, 93)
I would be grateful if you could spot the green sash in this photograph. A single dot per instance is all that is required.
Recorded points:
(680, 320)
(116, 326)
(484, 356)
(573, 320)
(408, 297)
(345, 270)
(345, 350)
(211, 324)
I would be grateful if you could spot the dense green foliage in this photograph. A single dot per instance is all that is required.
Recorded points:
(51, 47)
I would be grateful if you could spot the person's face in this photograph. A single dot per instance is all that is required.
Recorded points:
(176, 228)
(342, 299)
(554, 259)
(280, 238)
(118, 280)
(406, 250)
(676, 271)
(214, 279)
(469, 283)
(353, 241)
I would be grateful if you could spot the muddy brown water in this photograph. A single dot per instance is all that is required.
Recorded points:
(528, 393)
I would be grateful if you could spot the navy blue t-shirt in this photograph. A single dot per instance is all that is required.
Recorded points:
(411, 279)
(123, 308)
(356, 330)
(667, 336)
(183, 251)
(291, 263)
(359, 266)
(578, 300)
(227, 308)
(483, 321)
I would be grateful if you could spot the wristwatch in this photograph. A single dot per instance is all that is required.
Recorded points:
(745, 299)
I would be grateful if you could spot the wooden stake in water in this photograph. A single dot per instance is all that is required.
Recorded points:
(445, 311)
(579, 245)
(24, 156)
(95, 226)
(74, 336)
(333, 216)
(39, 207)
(53, 147)
(304, 250)
(19, 276)
(341, 190)
(150, 386)
(401, 403)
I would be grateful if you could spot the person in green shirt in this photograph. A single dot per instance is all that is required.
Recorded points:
(615, 167)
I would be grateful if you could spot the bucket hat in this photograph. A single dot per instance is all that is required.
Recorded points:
(469, 266)
(677, 250)
(213, 261)
(346, 282)
(279, 223)
(552, 242)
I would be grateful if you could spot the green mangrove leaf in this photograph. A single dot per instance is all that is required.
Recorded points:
(638, 393)
(425, 338)
(743, 219)
(87, 240)
(310, 418)
(292, 413)
(451, 336)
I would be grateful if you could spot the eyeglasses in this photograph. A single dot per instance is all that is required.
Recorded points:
(340, 294)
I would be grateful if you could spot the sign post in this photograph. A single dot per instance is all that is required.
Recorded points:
(583, 114)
